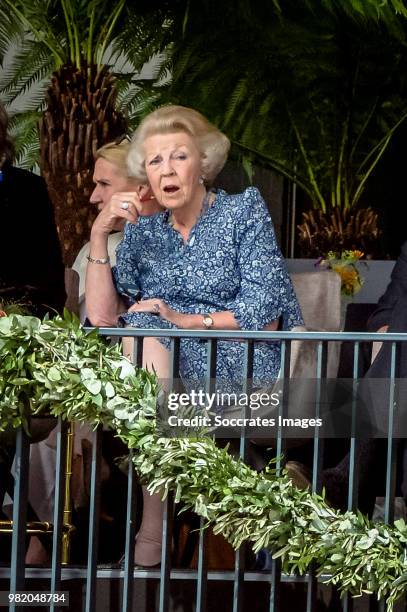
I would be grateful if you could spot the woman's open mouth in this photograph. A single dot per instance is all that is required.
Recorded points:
(170, 189)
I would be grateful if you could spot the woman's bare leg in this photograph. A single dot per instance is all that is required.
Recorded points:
(128, 347)
(156, 358)
(149, 539)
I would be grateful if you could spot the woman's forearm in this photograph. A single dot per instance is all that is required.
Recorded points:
(221, 320)
(216, 320)
(102, 301)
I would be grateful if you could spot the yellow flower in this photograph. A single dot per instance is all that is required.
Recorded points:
(351, 282)
(345, 263)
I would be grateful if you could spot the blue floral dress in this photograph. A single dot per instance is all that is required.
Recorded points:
(230, 262)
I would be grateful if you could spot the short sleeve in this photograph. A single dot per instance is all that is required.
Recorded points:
(126, 271)
(266, 292)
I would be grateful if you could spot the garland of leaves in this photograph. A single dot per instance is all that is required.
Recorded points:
(56, 367)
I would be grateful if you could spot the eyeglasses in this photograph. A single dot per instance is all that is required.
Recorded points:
(122, 138)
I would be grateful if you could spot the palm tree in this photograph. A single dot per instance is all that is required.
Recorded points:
(65, 45)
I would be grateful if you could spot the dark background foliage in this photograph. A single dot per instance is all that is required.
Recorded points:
(315, 89)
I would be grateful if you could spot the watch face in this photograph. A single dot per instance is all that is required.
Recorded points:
(208, 321)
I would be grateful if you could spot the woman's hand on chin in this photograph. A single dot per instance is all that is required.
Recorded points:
(123, 206)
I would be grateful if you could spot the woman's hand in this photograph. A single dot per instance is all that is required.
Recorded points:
(155, 306)
(123, 206)
(159, 307)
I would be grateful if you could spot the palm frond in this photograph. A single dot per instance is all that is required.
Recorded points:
(31, 64)
(162, 69)
(11, 31)
(143, 102)
(29, 155)
(366, 12)
(126, 97)
(143, 36)
(38, 19)
(24, 130)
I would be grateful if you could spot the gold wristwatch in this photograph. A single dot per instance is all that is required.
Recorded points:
(207, 321)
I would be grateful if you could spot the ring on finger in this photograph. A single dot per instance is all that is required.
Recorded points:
(124, 205)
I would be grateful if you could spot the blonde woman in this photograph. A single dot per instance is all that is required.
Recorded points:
(111, 175)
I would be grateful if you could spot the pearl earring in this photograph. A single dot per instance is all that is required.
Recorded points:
(201, 179)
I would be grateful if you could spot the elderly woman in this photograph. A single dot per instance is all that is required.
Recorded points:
(209, 261)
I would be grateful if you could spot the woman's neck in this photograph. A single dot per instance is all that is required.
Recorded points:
(187, 217)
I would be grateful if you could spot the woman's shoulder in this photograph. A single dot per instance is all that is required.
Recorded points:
(250, 194)
(248, 203)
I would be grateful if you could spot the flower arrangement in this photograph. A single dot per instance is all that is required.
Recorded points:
(344, 264)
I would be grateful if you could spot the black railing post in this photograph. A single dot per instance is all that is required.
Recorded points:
(18, 544)
(166, 553)
(59, 498)
(127, 602)
(94, 512)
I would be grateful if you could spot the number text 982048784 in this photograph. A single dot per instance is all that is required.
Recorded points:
(34, 598)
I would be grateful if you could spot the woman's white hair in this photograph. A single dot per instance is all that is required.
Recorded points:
(211, 142)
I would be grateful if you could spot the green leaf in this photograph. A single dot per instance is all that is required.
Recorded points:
(337, 558)
(109, 390)
(54, 374)
(94, 386)
(19, 381)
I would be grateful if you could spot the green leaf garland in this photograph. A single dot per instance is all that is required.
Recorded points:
(55, 367)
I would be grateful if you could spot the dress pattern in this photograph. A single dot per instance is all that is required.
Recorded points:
(230, 262)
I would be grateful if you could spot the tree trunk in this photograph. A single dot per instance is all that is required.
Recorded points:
(80, 118)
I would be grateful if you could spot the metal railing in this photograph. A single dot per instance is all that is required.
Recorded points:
(16, 577)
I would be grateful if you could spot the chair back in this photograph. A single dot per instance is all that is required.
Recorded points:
(72, 290)
(319, 295)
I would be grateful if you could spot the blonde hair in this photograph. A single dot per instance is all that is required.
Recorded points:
(116, 154)
(211, 142)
